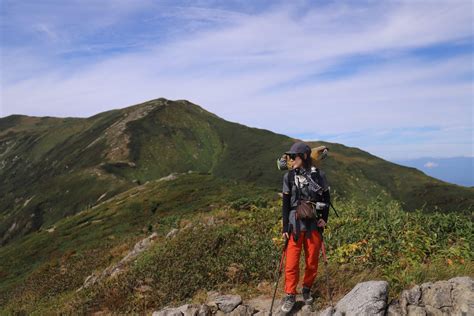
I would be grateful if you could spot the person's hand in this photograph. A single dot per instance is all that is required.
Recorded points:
(321, 223)
(285, 235)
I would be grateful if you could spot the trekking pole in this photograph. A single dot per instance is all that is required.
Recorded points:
(279, 273)
(325, 259)
(330, 204)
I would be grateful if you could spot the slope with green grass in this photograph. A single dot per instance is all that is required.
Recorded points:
(77, 193)
(58, 258)
(238, 252)
(51, 168)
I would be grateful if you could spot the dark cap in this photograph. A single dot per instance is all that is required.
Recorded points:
(299, 147)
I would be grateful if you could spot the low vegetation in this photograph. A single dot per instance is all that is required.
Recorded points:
(235, 246)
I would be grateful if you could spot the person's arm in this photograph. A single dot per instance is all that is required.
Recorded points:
(286, 203)
(286, 212)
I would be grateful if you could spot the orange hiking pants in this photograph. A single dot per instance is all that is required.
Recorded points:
(312, 246)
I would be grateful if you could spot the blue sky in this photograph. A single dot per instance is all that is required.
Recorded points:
(394, 78)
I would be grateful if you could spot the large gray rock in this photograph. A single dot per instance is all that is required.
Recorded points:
(452, 297)
(436, 294)
(183, 310)
(366, 298)
(227, 303)
(463, 295)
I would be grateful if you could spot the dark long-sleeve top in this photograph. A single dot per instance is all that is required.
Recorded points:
(289, 201)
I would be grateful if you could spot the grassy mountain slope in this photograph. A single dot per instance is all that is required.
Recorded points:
(54, 167)
(40, 273)
(58, 258)
(77, 193)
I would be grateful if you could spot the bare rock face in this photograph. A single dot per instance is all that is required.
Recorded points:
(120, 266)
(452, 297)
(116, 136)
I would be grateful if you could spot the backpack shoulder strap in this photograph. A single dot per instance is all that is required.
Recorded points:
(291, 178)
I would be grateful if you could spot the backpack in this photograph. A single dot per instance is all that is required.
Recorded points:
(314, 177)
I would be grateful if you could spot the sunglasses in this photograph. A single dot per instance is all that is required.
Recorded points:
(293, 156)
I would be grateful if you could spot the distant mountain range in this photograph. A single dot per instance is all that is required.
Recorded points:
(457, 170)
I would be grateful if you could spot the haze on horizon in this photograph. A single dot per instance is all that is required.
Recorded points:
(394, 78)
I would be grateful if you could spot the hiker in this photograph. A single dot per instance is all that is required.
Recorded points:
(306, 232)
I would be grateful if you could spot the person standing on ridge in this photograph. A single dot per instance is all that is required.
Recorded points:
(303, 182)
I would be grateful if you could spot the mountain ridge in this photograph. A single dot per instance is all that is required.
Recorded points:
(54, 167)
(73, 205)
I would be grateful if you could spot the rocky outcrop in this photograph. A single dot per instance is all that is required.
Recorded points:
(185, 310)
(120, 266)
(216, 304)
(116, 136)
(452, 297)
(366, 298)
(226, 303)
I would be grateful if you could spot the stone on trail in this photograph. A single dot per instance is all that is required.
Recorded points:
(366, 298)
(227, 303)
(452, 297)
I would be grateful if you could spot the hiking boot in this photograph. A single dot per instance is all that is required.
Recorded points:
(288, 302)
(308, 299)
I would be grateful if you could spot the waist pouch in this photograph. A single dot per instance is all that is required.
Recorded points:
(306, 210)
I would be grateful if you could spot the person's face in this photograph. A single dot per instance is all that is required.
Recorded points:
(296, 160)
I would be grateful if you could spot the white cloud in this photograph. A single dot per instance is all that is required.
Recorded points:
(253, 69)
(43, 28)
(430, 164)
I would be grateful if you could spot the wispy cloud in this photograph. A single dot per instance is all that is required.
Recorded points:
(431, 164)
(342, 72)
(43, 28)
